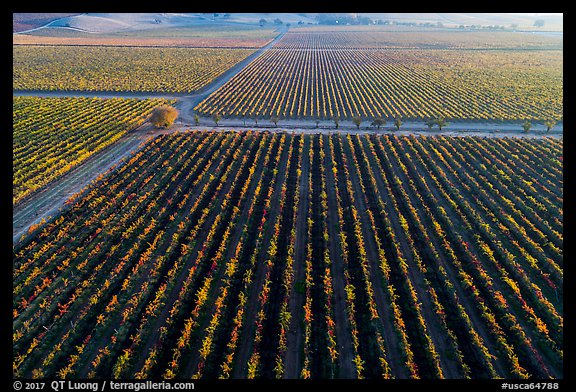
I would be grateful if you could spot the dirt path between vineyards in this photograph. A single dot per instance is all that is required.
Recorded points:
(296, 302)
(247, 331)
(455, 128)
(49, 200)
(471, 310)
(186, 104)
(343, 337)
(192, 358)
(309, 127)
(498, 285)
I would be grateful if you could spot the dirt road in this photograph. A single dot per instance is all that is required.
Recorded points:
(456, 128)
(185, 102)
(50, 199)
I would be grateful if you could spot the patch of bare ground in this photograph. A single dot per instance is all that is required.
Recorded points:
(48, 200)
(23, 21)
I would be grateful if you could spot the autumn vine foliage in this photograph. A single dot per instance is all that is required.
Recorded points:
(53, 135)
(375, 74)
(284, 255)
(119, 68)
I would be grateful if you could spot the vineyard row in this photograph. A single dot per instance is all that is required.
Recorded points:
(257, 255)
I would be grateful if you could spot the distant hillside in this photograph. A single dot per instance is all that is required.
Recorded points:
(27, 21)
(107, 23)
(522, 21)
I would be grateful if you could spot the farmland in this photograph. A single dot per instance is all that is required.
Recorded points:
(364, 37)
(217, 36)
(53, 135)
(318, 75)
(126, 69)
(297, 220)
(258, 255)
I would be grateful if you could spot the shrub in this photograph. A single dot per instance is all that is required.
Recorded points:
(163, 116)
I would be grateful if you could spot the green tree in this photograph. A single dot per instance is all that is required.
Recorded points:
(398, 122)
(378, 122)
(336, 121)
(196, 119)
(163, 116)
(244, 119)
(357, 121)
(549, 125)
(440, 121)
(430, 123)
(527, 125)
(216, 117)
(275, 120)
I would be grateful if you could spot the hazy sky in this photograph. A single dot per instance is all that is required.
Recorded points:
(535, 13)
